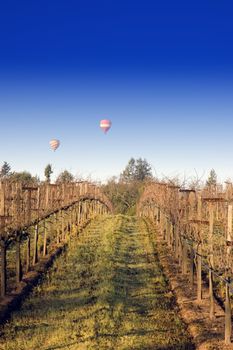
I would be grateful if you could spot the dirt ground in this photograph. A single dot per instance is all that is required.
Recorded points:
(207, 334)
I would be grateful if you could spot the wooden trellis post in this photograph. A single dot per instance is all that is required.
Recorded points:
(176, 228)
(57, 225)
(28, 253)
(184, 257)
(227, 301)
(162, 224)
(17, 206)
(198, 223)
(45, 250)
(79, 213)
(68, 222)
(71, 220)
(229, 234)
(35, 251)
(211, 258)
(211, 202)
(167, 230)
(27, 204)
(199, 271)
(96, 206)
(227, 316)
(63, 225)
(2, 199)
(18, 260)
(159, 213)
(172, 235)
(3, 267)
(199, 207)
(191, 267)
(85, 211)
(47, 197)
(91, 210)
(199, 249)
(74, 218)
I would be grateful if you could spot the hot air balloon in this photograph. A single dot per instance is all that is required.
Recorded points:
(54, 144)
(105, 125)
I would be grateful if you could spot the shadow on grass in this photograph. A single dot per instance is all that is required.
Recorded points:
(127, 301)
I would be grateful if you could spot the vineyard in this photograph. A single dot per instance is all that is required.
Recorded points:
(197, 227)
(95, 254)
(108, 287)
(37, 220)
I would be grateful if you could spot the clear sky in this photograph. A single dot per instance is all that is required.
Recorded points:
(162, 71)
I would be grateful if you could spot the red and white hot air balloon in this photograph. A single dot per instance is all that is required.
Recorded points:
(54, 144)
(105, 125)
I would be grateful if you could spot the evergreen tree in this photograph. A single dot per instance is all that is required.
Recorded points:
(142, 170)
(136, 170)
(5, 170)
(48, 172)
(212, 179)
(129, 172)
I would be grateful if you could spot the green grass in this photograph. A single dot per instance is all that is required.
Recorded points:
(107, 292)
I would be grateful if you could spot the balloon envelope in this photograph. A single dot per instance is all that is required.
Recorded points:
(105, 125)
(54, 144)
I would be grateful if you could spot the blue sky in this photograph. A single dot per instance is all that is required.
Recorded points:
(161, 71)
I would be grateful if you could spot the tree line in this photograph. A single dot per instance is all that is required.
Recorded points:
(27, 178)
(123, 190)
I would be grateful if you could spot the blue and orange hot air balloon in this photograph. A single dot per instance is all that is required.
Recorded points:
(105, 125)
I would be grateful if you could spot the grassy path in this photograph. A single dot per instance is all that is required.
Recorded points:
(107, 292)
